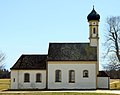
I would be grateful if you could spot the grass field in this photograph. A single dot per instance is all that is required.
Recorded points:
(5, 84)
(115, 84)
(59, 93)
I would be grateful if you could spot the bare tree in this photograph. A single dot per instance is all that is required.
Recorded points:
(113, 38)
(112, 64)
(2, 57)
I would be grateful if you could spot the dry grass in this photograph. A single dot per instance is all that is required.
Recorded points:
(4, 84)
(115, 84)
(114, 80)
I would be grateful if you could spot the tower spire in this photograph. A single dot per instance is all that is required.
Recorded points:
(93, 3)
(93, 6)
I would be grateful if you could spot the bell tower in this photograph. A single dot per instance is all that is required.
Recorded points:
(93, 20)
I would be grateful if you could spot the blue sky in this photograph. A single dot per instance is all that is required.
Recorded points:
(27, 26)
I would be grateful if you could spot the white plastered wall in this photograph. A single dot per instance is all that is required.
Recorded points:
(80, 82)
(18, 76)
(14, 76)
(103, 82)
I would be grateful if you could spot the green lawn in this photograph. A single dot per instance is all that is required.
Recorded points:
(61, 93)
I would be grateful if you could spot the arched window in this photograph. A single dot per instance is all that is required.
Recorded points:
(58, 76)
(71, 76)
(38, 77)
(85, 73)
(94, 30)
(26, 77)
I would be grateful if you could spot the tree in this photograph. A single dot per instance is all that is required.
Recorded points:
(2, 57)
(112, 64)
(4, 73)
(112, 42)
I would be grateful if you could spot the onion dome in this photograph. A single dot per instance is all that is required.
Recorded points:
(93, 15)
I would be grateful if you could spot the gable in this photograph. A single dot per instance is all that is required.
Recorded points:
(26, 62)
(72, 52)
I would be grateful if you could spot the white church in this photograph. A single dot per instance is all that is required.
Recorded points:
(67, 65)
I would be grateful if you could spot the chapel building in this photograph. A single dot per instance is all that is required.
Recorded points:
(66, 66)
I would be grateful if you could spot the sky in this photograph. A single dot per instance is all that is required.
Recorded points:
(28, 26)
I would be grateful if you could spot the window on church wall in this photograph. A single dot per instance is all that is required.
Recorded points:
(38, 77)
(85, 73)
(13, 79)
(94, 30)
(58, 76)
(71, 76)
(26, 77)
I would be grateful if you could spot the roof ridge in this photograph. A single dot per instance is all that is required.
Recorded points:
(34, 54)
(69, 43)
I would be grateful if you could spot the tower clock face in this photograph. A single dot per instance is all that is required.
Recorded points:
(93, 23)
